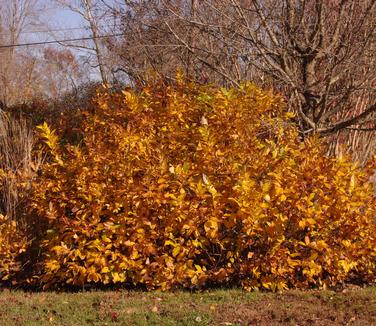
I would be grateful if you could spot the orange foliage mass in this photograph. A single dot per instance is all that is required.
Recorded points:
(192, 186)
(12, 244)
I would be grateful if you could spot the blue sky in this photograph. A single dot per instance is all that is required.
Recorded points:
(55, 19)
(60, 24)
(67, 18)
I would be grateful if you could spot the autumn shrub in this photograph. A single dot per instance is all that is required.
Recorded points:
(192, 186)
(13, 243)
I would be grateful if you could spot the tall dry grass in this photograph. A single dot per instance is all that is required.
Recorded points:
(18, 164)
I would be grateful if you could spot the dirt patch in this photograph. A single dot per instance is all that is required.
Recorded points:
(294, 308)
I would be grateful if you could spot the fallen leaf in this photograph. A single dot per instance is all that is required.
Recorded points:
(155, 309)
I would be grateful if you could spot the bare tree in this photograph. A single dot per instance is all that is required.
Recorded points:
(93, 13)
(157, 40)
(17, 66)
(318, 53)
(60, 72)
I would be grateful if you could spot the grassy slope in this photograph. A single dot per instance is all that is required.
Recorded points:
(218, 307)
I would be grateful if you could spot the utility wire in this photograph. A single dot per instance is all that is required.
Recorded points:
(55, 30)
(7, 46)
(51, 30)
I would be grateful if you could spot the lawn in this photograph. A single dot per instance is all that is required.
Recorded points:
(215, 307)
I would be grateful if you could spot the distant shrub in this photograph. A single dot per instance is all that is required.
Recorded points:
(191, 186)
(63, 113)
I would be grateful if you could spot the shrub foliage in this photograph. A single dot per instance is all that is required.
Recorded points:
(12, 244)
(192, 186)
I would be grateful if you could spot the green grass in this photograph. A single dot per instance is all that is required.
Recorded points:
(217, 307)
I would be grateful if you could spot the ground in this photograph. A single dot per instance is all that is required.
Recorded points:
(215, 307)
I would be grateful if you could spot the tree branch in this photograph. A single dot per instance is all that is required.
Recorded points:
(347, 123)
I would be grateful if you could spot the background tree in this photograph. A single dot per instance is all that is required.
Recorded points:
(61, 72)
(94, 13)
(320, 54)
(17, 68)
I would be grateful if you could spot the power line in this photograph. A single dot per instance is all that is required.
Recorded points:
(58, 41)
(52, 30)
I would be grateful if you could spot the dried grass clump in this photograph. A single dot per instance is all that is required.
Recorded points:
(18, 164)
